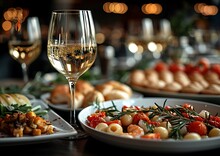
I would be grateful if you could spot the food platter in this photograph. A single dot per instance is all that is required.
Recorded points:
(159, 93)
(169, 145)
(62, 129)
(64, 107)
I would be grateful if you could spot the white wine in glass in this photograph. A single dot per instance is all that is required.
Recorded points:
(25, 42)
(72, 50)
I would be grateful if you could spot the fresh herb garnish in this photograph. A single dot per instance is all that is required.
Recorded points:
(15, 108)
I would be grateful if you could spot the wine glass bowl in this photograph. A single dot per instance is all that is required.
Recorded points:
(149, 36)
(25, 42)
(72, 50)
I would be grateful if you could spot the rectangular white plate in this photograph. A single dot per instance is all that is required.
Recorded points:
(62, 129)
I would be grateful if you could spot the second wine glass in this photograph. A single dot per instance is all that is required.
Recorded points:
(25, 42)
(72, 50)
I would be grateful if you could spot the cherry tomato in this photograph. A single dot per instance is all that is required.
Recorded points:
(204, 65)
(140, 116)
(197, 127)
(186, 115)
(198, 118)
(96, 115)
(113, 121)
(215, 68)
(160, 66)
(214, 121)
(174, 67)
(189, 68)
(204, 62)
(95, 121)
(96, 118)
(167, 107)
(187, 106)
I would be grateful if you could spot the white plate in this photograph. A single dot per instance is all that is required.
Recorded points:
(153, 92)
(64, 107)
(62, 129)
(171, 146)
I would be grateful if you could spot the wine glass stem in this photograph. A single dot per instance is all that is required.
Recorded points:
(72, 102)
(25, 72)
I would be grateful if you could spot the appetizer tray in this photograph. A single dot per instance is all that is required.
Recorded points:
(62, 129)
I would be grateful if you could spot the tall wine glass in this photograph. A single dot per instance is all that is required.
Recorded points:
(25, 42)
(149, 37)
(72, 49)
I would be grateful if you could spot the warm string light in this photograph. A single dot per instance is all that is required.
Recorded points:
(16, 15)
(152, 8)
(206, 10)
(115, 7)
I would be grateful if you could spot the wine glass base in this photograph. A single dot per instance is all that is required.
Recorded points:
(79, 135)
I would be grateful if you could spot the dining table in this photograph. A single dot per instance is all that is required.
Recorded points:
(89, 146)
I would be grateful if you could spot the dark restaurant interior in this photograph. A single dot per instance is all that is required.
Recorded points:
(112, 25)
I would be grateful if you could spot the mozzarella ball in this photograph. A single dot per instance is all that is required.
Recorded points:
(126, 119)
(102, 127)
(115, 128)
(192, 136)
(214, 132)
(162, 131)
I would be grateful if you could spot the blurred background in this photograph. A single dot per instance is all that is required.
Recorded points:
(129, 33)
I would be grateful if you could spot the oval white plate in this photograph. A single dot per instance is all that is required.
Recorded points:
(153, 145)
(153, 92)
(64, 107)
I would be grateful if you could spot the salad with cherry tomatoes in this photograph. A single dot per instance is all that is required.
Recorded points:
(179, 122)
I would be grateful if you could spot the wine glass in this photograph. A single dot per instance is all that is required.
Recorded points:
(25, 42)
(72, 50)
(148, 37)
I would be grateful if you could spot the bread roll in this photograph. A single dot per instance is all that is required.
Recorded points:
(60, 94)
(151, 75)
(104, 88)
(172, 87)
(79, 98)
(212, 77)
(193, 87)
(91, 97)
(116, 94)
(166, 76)
(84, 87)
(120, 86)
(212, 89)
(182, 78)
(137, 77)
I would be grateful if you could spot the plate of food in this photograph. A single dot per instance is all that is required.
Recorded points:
(154, 124)
(198, 81)
(48, 125)
(66, 107)
(86, 94)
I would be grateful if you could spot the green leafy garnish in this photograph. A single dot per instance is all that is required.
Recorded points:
(15, 108)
